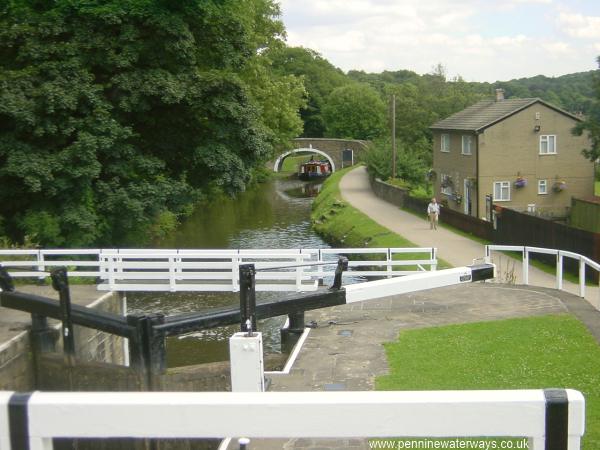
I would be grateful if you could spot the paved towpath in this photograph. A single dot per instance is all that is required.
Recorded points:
(452, 247)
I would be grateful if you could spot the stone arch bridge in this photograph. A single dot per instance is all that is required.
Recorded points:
(339, 152)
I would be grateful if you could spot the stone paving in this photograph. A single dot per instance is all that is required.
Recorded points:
(345, 351)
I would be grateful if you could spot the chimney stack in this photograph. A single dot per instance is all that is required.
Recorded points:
(499, 95)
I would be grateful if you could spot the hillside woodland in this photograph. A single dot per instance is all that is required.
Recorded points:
(118, 117)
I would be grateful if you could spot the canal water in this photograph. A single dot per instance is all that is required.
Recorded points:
(275, 214)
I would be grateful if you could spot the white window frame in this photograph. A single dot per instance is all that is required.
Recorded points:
(445, 190)
(503, 185)
(542, 187)
(467, 149)
(445, 143)
(548, 139)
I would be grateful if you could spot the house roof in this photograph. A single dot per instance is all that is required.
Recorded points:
(486, 113)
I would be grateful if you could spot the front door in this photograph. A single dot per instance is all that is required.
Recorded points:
(467, 197)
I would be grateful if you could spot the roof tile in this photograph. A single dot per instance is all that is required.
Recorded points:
(483, 113)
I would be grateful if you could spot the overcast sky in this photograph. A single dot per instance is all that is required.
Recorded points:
(481, 40)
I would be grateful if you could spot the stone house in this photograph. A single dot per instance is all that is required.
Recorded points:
(518, 153)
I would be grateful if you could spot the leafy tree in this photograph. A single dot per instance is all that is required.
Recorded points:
(279, 100)
(354, 111)
(115, 113)
(279, 97)
(410, 165)
(592, 122)
(320, 79)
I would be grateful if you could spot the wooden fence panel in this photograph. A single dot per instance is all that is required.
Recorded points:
(585, 214)
(515, 228)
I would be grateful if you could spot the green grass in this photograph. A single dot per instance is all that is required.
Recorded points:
(290, 164)
(530, 353)
(345, 226)
(597, 187)
(548, 268)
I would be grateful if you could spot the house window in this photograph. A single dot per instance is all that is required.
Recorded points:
(547, 144)
(445, 143)
(467, 144)
(542, 187)
(502, 191)
(445, 184)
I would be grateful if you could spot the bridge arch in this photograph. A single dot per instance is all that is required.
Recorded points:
(279, 161)
(338, 152)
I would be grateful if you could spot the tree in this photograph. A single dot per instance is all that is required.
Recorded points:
(410, 163)
(116, 113)
(354, 111)
(320, 79)
(592, 122)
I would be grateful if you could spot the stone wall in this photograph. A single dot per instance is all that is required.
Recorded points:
(16, 356)
(334, 148)
(94, 345)
(16, 364)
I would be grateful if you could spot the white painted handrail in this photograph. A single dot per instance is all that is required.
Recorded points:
(525, 251)
(510, 413)
(213, 269)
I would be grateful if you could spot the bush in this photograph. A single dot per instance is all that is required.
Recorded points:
(412, 162)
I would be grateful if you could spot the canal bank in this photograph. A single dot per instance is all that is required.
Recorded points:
(342, 225)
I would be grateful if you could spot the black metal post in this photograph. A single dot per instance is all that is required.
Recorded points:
(339, 270)
(137, 355)
(43, 340)
(60, 283)
(291, 334)
(6, 282)
(248, 296)
(156, 349)
(296, 322)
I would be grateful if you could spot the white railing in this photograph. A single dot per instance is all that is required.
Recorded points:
(584, 262)
(416, 414)
(38, 263)
(213, 270)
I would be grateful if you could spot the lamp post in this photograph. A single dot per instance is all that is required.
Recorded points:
(393, 135)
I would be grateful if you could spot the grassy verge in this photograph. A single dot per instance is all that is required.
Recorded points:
(549, 268)
(530, 353)
(291, 163)
(544, 267)
(342, 225)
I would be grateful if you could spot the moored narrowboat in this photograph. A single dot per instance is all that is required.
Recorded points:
(314, 169)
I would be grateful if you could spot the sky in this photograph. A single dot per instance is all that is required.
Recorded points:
(479, 40)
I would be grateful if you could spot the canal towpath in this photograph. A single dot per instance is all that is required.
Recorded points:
(452, 247)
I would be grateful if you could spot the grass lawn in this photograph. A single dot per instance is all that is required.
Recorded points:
(597, 187)
(529, 353)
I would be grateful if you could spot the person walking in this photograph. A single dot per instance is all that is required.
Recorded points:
(433, 211)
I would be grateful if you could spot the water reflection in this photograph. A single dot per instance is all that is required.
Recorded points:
(273, 215)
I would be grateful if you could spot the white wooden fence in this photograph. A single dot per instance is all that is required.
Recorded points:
(213, 270)
(521, 413)
(584, 262)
